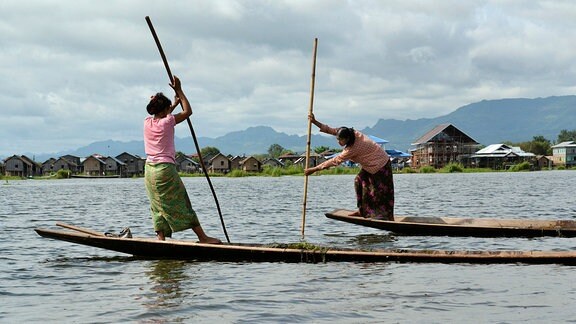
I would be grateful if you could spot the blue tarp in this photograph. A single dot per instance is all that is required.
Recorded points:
(392, 153)
(396, 153)
(378, 140)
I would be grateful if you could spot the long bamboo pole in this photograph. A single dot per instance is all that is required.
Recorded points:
(190, 126)
(310, 110)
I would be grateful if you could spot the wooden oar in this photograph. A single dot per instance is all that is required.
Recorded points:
(190, 126)
(310, 110)
(80, 229)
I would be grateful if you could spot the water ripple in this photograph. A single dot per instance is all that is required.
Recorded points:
(54, 281)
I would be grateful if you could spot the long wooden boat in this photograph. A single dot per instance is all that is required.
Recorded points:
(451, 226)
(151, 248)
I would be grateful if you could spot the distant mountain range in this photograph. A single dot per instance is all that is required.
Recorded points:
(488, 122)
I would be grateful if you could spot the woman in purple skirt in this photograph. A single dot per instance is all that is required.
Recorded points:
(374, 184)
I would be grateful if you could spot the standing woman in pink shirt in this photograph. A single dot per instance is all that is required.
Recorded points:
(169, 202)
(374, 184)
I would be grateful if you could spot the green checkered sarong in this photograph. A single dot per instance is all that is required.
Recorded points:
(169, 202)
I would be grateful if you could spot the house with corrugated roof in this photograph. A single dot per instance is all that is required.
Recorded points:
(564, 154)
(272, 162)
(134, 164)
(72, 158)
(235, 161)
(94, 165)
(187, 164)
(544, 162)
(251, 164)
(21, 166)
(501, 156)
(67, 162)
(115, 166)
(288, 158)
(442, 145)
(313, 160)
(48, 166)
(219, 163)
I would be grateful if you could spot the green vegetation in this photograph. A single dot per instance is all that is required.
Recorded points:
(276, 150)
(6, 178)
(63, 174)
(278, 171)
(538, 145)
(566, 136)
(453, 167)
(240, 173)
(407, 170)
(427, 169)
(300, 246)
(524, 166)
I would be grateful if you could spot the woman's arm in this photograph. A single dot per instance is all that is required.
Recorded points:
(180, 99)
(314, 121)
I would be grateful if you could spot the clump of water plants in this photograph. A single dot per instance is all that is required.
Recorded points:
(524, 166)
(299, 246)
(427, 169)
(63, 174)
(454, 167)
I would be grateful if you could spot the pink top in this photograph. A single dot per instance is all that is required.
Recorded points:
(364, 151)
(159, 139)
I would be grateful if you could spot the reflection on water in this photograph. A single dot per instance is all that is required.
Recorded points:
(365, 241)
(166, 277)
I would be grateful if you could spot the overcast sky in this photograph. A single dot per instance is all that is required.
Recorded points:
(76, 72)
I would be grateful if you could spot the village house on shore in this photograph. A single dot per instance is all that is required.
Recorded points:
(442, 145)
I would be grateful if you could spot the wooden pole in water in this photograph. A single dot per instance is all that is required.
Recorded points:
(157, 40)
(310, 110)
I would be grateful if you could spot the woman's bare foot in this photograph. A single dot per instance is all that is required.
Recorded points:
(160, 236)
(355, 213)
(210, 240)
(203, 238)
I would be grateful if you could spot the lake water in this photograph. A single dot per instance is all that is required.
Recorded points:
(43, 280)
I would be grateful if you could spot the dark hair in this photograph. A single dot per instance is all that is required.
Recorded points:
(347, 134)
(158, 103)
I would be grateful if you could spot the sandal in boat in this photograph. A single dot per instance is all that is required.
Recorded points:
(124, 233)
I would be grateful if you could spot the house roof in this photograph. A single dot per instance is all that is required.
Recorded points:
(49, 161)
(565, 144)
(116, 160)
(288, 155)
(73, 163)
(445, 132)
(273, 160)
(312, 154)
(249, 158)
(396, 154)
(218, 155)
(183, 158)
(97, 157)
(130, 154)
(501, 150)
(22, 158)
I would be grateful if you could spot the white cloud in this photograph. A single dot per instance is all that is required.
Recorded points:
(78, 72)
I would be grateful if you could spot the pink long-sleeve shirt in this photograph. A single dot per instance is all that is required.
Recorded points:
(371, 156)
(159, 139)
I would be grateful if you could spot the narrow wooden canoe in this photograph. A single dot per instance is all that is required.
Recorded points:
(451, 226)
(150, 248)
